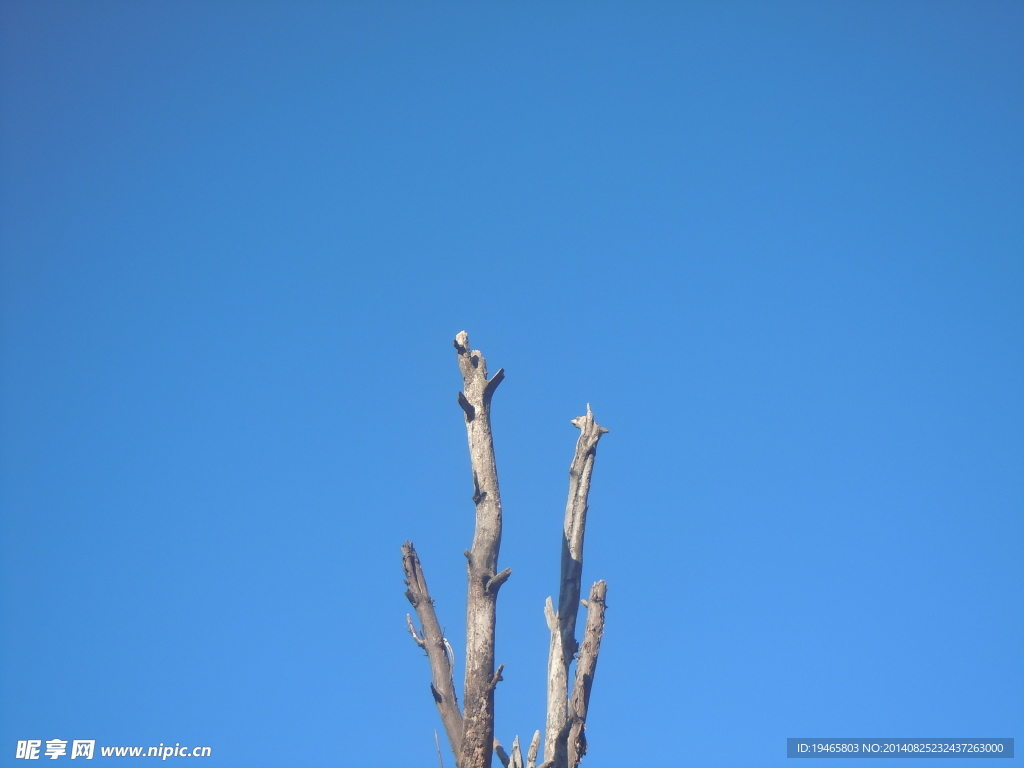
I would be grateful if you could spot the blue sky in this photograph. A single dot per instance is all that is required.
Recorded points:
(777, 246)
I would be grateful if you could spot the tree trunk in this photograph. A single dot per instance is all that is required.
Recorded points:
(471, 732)
(482, 566)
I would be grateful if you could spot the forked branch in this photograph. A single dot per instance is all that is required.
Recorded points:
(471, 732)
(562, 623)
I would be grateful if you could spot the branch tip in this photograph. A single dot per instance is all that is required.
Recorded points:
(517, 755)
(531, 755)
(550, 615)
(412, 630)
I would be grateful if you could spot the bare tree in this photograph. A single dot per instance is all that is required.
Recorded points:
(471, 730)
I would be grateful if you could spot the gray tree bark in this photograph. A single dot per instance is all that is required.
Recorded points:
(432, 640)
(471, 732)
(482, 565)
(562, 623)
(586, 666)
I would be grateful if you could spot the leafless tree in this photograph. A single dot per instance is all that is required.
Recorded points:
(471, 730)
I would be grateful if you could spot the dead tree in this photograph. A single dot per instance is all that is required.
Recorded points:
(471, 730)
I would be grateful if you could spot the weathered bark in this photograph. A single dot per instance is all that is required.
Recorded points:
(586, 667)
(513, 759)
(558, 684)
(434, 643)
(531, 755)
(580, 472)
(471, 732)
(503, 756)
(562, 623)
(517, 755)
(482, 565)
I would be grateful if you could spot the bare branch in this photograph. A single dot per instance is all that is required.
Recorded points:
(465, 405)
(412, 631)
(448, 651)
(437, 743)
(513, 760)
(433, 642)
(558, 683)
(497, 677)
(501, 753)
(494, 583)
(586, 667)
(471, 733)
(516, 760)
(563, 622)
(580, 472)
(482, 560)
(531, 755)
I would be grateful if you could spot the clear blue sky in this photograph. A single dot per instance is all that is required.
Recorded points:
(778, 246)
